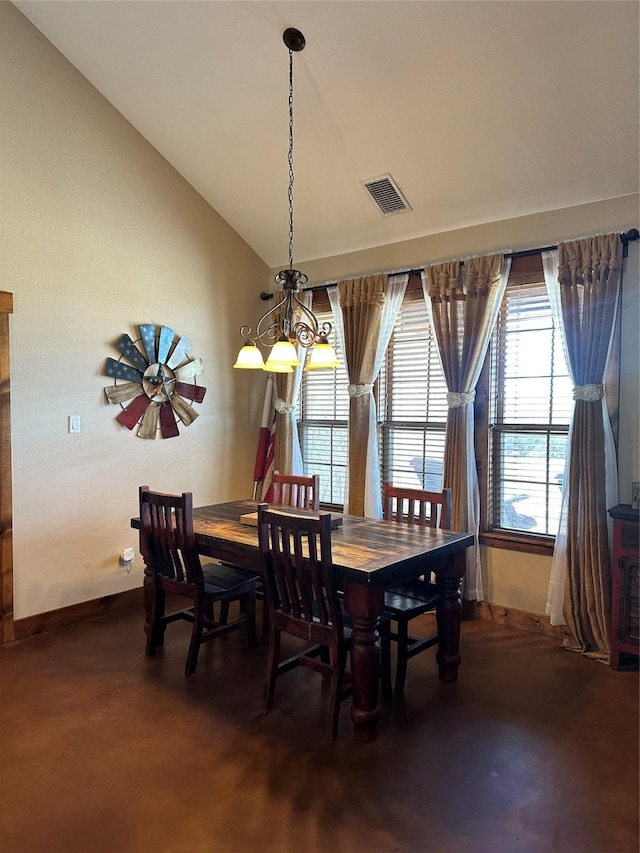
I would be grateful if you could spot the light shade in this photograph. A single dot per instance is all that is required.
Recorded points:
(274, 367)
(249, 357)
(283, 354)
(322, 356)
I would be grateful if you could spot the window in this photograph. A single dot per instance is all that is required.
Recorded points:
(530, 405)
(523, 409)
(323, 411)
(412, 402)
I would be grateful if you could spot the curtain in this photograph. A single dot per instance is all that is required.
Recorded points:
(583, 278)
(463, 305)
(288, 458)
(361, 309)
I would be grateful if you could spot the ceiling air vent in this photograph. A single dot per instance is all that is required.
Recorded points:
(386, 195)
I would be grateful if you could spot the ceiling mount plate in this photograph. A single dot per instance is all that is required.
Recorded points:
(293, 39)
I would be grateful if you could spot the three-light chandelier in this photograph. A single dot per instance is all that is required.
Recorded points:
(289, 322)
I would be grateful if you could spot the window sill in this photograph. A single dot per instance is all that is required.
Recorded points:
(524, 543)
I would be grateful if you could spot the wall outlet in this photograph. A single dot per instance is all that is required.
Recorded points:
(127, 557)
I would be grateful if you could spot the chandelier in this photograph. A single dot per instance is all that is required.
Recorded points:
(289, 322)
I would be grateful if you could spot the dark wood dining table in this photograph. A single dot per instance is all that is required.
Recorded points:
(369, 555)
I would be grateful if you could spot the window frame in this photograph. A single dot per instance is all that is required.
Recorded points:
(525, 269)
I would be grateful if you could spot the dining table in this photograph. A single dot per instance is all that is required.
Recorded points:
(369, 555)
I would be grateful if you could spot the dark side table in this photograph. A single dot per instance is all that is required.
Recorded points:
(625, 593)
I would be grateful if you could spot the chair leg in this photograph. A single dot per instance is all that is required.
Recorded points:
(272, 668)
(339, 664)
(156, 627)
(403, 648)
(325, 657)
(196, 638)
(224, 612)
(250, 610)
(265, 620)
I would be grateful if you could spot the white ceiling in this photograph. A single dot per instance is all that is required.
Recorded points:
(480, 111)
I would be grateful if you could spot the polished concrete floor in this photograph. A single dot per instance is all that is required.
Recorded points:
(105, 751)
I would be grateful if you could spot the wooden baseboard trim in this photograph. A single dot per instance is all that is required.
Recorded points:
(64, 616)
(521, 619)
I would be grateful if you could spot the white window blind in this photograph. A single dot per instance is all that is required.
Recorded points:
(323, 423)
(530, 409)
(412, 403)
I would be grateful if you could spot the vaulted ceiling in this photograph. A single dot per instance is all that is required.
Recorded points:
(480, 111)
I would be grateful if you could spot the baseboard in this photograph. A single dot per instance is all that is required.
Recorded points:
(521, 619)
(52, 619)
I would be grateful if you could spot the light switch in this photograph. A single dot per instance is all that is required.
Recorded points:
(74, 423)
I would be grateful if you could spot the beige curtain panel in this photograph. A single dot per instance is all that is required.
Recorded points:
(588, 275)
(463, 314)
(361, 300)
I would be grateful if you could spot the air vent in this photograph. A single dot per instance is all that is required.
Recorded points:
(386, 195)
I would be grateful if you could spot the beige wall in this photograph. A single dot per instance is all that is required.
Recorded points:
(100, 234)
(514, 579)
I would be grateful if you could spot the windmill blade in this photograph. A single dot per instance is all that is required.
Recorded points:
(189, 370)
(130, 416)
(148, 335)
(122, 393)
(118, 370)
(191, 392)
(168, 424)
(183, 410)
(182, 349)
(164, 343)
(149, 426)
(130, 350)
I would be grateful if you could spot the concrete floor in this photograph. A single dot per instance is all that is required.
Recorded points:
(105, 751)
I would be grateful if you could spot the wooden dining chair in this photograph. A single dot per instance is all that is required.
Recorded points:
(303, 601)
(406, 601)
(296, 491)
(166, 524)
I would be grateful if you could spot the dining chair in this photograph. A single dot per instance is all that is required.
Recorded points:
(408, 600)
(303, 601)
(296, 491)
(166, 524)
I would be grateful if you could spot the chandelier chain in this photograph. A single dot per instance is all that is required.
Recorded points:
(291, 176)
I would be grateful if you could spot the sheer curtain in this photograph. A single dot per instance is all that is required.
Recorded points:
(288, 458)
(463, 306)
(582, 280)
(365, 310)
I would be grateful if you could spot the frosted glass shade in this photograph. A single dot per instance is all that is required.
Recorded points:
(249, 357)
(283, 354)
(322, 357)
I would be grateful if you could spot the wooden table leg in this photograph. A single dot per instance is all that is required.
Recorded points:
(449, 615)
(364, 604)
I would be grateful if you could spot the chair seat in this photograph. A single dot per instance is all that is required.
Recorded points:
(221, 579)
(413, 597)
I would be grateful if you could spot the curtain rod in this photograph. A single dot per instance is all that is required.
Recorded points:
(628, 237)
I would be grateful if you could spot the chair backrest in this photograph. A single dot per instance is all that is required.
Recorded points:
(296, 555)
(166, 523)
(415, 506)
(296, 491)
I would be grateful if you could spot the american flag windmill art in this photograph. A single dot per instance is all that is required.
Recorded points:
(154, 382)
